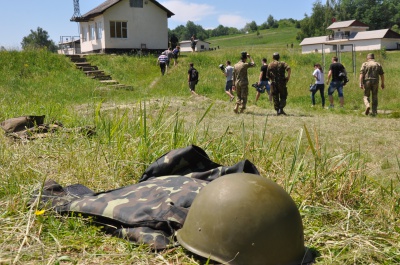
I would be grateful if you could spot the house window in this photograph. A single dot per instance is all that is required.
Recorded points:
(99, 30)
(136, 3)
(118, 29)
(84, 33)
(92, 34)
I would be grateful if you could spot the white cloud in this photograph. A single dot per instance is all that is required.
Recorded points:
(185, 11)
(235, 21)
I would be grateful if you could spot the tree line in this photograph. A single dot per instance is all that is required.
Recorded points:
(377, 14)
(182, 32)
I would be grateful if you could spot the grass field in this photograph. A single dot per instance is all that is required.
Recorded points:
(340, 166)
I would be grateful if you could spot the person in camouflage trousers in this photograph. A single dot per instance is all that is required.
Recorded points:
(241, 81)
(276, 72)
(369, 82)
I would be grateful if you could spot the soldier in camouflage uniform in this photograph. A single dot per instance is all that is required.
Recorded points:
(241, 82)
(369, 82)
(276, 73)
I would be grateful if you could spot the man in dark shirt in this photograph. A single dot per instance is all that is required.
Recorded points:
(193, 78)
(262, 83)
(336, 84)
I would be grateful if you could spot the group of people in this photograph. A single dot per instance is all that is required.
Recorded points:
(272, 79)
(370, 73)
(166, 57)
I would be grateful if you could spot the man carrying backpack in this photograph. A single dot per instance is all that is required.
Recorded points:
(193, 78)
(336, 70)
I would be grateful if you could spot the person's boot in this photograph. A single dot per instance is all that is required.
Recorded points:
(236, 109)
(367, 110)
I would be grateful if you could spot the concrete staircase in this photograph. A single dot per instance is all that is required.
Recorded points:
(92, 71)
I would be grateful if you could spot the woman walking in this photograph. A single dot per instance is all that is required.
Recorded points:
(318, 74)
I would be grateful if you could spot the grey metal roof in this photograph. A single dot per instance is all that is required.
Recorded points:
(314, 40)
(377, 34)
(364, 35)
(100, 9)
(347, 24)
(188, 41)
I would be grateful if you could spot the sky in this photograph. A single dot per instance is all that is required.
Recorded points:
(19, 17)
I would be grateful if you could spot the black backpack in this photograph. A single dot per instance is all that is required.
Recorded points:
(195, 75)
(343, 77)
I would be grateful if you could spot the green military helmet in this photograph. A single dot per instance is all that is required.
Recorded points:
(276, 56)
(245, 219)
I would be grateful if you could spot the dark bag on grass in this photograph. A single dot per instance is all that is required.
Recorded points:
(313, 87)
(21, 123)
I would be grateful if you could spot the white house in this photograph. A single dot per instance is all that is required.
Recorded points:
(69, 45)
(352, 35)
(200, 46)
(123, 26)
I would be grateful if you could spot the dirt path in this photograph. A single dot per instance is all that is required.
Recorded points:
(339, 133)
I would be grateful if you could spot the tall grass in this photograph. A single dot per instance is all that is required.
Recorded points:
(348, 197)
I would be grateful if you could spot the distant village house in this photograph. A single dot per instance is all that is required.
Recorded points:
(200, 46)
(352, 35)
(124, 26)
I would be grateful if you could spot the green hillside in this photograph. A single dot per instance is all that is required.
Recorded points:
(340, 167)
(274, 38)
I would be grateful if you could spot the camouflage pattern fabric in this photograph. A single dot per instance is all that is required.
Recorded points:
(240, 73)
(193, 162)
(371, 70)
(152, 210)
(276, 73)
(241, 82)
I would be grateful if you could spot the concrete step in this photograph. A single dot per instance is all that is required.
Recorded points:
(89, 68)
(77, 58)
(102, 77)
(109, 82)
(82, 64)
(93, 72)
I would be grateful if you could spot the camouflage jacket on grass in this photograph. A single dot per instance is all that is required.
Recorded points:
(152, 210)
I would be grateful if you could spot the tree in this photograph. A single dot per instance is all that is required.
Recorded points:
(250, 27)
(272, 23)
(38, 39)
(253, 26)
